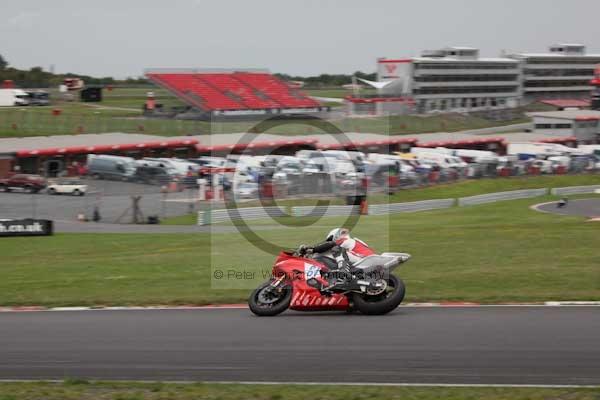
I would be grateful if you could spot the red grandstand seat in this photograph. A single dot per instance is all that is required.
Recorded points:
(276, 89)
(233, 91)
(228, 83)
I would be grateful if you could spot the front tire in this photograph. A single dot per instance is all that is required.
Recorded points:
(265, 304)
(384, 303)
(51, 191)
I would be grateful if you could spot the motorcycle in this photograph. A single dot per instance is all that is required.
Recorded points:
(308, 280)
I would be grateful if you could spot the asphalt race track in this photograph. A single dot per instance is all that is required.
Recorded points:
(584, 208)
(456, 345)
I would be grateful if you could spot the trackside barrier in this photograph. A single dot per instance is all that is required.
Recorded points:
(215, 216)
(325, 211)
(393, 208)
(501, 196)
(575, 190)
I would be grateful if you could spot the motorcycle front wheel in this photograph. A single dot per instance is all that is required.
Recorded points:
(382, 303)
(266, 301)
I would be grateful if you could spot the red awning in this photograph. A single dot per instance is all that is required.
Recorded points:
(106, 148)
(406, 100)
(255, 145)
(370, 143)
(464, 142)
(565, 103)
(560, 140)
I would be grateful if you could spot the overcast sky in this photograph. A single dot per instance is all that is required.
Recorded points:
(121, 38)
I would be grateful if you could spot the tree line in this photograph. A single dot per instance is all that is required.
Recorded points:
(36, 77)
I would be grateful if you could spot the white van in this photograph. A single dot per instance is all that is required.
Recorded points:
(13, 97)
(443, 160)
(173, 166)
(386, 159)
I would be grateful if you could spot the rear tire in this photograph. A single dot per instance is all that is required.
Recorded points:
(4, 188)
(77, 192)
(369, 305)
(51, 191)
(269, 310)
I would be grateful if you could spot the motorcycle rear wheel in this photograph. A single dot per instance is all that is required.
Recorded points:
(279, 304)
(381, 304)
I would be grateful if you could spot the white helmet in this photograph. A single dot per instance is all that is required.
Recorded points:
(337, 233)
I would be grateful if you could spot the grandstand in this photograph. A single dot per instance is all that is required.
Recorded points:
(234, 93)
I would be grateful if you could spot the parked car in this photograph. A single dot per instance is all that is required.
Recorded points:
(38, 98)
(247, 190)
(73, 187)
(27, 182)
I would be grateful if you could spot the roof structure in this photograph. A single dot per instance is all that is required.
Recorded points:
(567, 103)
(89, 143)
(113, 142)
(577, 115)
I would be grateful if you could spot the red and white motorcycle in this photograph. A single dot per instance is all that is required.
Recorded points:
(309, 279)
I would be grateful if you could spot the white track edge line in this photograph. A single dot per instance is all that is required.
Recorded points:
(275, 383)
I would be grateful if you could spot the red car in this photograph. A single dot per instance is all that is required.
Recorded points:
(26, 182)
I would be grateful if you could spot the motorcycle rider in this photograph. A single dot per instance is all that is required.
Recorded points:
(355, 248)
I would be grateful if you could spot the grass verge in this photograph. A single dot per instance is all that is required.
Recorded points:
(159, 391)
(501, 252)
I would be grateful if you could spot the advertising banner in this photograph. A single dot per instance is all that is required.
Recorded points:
(26, 227)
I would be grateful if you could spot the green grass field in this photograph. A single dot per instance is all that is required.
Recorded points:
(82, 390)
(501, 252)
(121, 111)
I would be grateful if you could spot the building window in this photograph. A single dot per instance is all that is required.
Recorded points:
(467, 78)
(564, 61)
(465, 89)
(553, 126)
(558, 72)
(475, 65)
(561, 83)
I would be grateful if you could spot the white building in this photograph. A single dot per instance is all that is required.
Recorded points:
(453, 79)
(564, 72)
(581, 124)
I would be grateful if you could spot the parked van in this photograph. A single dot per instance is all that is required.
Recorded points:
(13, 97)
(174, 166)
(110, 167)
(443, 160)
